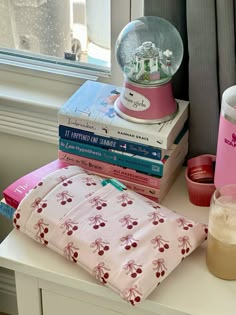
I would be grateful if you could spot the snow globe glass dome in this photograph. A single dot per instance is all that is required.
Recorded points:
(149, 51)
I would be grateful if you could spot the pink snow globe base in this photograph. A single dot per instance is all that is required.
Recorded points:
(141, 104)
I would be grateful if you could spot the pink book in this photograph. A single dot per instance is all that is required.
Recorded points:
(111, 170)
(15, 192)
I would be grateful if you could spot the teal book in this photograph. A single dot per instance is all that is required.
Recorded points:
(6, 210)
(142, 164)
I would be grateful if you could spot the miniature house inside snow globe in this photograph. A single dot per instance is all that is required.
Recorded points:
(149, 51)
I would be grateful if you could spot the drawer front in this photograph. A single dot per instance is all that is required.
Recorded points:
(55, 304)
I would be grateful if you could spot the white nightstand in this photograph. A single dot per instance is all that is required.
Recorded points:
(48, 284)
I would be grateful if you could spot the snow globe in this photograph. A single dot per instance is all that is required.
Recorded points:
(149, 51)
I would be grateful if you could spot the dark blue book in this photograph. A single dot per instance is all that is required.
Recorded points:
(91, 138)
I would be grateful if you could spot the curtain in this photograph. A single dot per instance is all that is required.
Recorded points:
(207, 28)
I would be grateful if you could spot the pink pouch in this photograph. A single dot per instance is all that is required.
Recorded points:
(127, 242)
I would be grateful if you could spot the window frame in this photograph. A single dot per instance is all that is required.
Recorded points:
(122, 12)
(30, 95)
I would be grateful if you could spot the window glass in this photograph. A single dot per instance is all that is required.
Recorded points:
(75, 33)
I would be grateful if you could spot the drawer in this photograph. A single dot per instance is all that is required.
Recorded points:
(55, 304)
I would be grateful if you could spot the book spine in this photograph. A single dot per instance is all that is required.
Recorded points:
(15, 192)
(91, 138)
(11, 201)
(140, 164)
(155, 139)
(6, 210)
(112, 170)
(141, 189)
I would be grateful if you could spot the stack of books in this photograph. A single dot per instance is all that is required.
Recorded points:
(145, 157)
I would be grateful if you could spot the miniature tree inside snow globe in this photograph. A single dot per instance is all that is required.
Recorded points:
(149, 51)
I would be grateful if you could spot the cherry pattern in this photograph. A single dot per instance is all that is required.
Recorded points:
(97, 221)
(128, 221)
(42, 229)
(160, 243)
(64, 197)
(100, 246)
(101, 272)
(128, 242)
(141, 227)
(69, 226)
(71, 252)
(124, 199)
(89, 181)
(98, 202)
(184, 244)
(159, 267)
(132, 268)
(38, 185)
(39, 204)
(16, 219)
(156, 217)
(132, 295)
(184, 223)
(206, 231)
(153, 204)
(64, 180)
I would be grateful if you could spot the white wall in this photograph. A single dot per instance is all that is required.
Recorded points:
(19, 156)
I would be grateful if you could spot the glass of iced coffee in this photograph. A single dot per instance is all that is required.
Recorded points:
(221, 244)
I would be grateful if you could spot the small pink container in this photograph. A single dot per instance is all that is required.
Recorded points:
(200, 192)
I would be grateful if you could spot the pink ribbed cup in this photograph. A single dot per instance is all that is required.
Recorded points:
(200, 193)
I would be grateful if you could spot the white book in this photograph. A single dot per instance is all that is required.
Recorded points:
(91, 108)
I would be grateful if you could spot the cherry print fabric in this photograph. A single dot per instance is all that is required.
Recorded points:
(127, 242)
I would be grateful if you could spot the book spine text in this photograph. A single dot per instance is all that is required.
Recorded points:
(110, 170)
(84, 136)
(155, 139)
(140, 164)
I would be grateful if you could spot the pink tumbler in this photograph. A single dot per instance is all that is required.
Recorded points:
(225, 169)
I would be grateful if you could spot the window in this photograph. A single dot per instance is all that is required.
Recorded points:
(73, 36)
(47, 49)
(75, 33)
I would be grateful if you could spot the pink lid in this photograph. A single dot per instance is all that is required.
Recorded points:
(200, 169)
(200, 160)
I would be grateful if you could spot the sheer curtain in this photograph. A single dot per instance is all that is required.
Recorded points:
(207, 28)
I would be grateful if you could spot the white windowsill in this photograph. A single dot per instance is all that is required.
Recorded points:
(29, 105)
